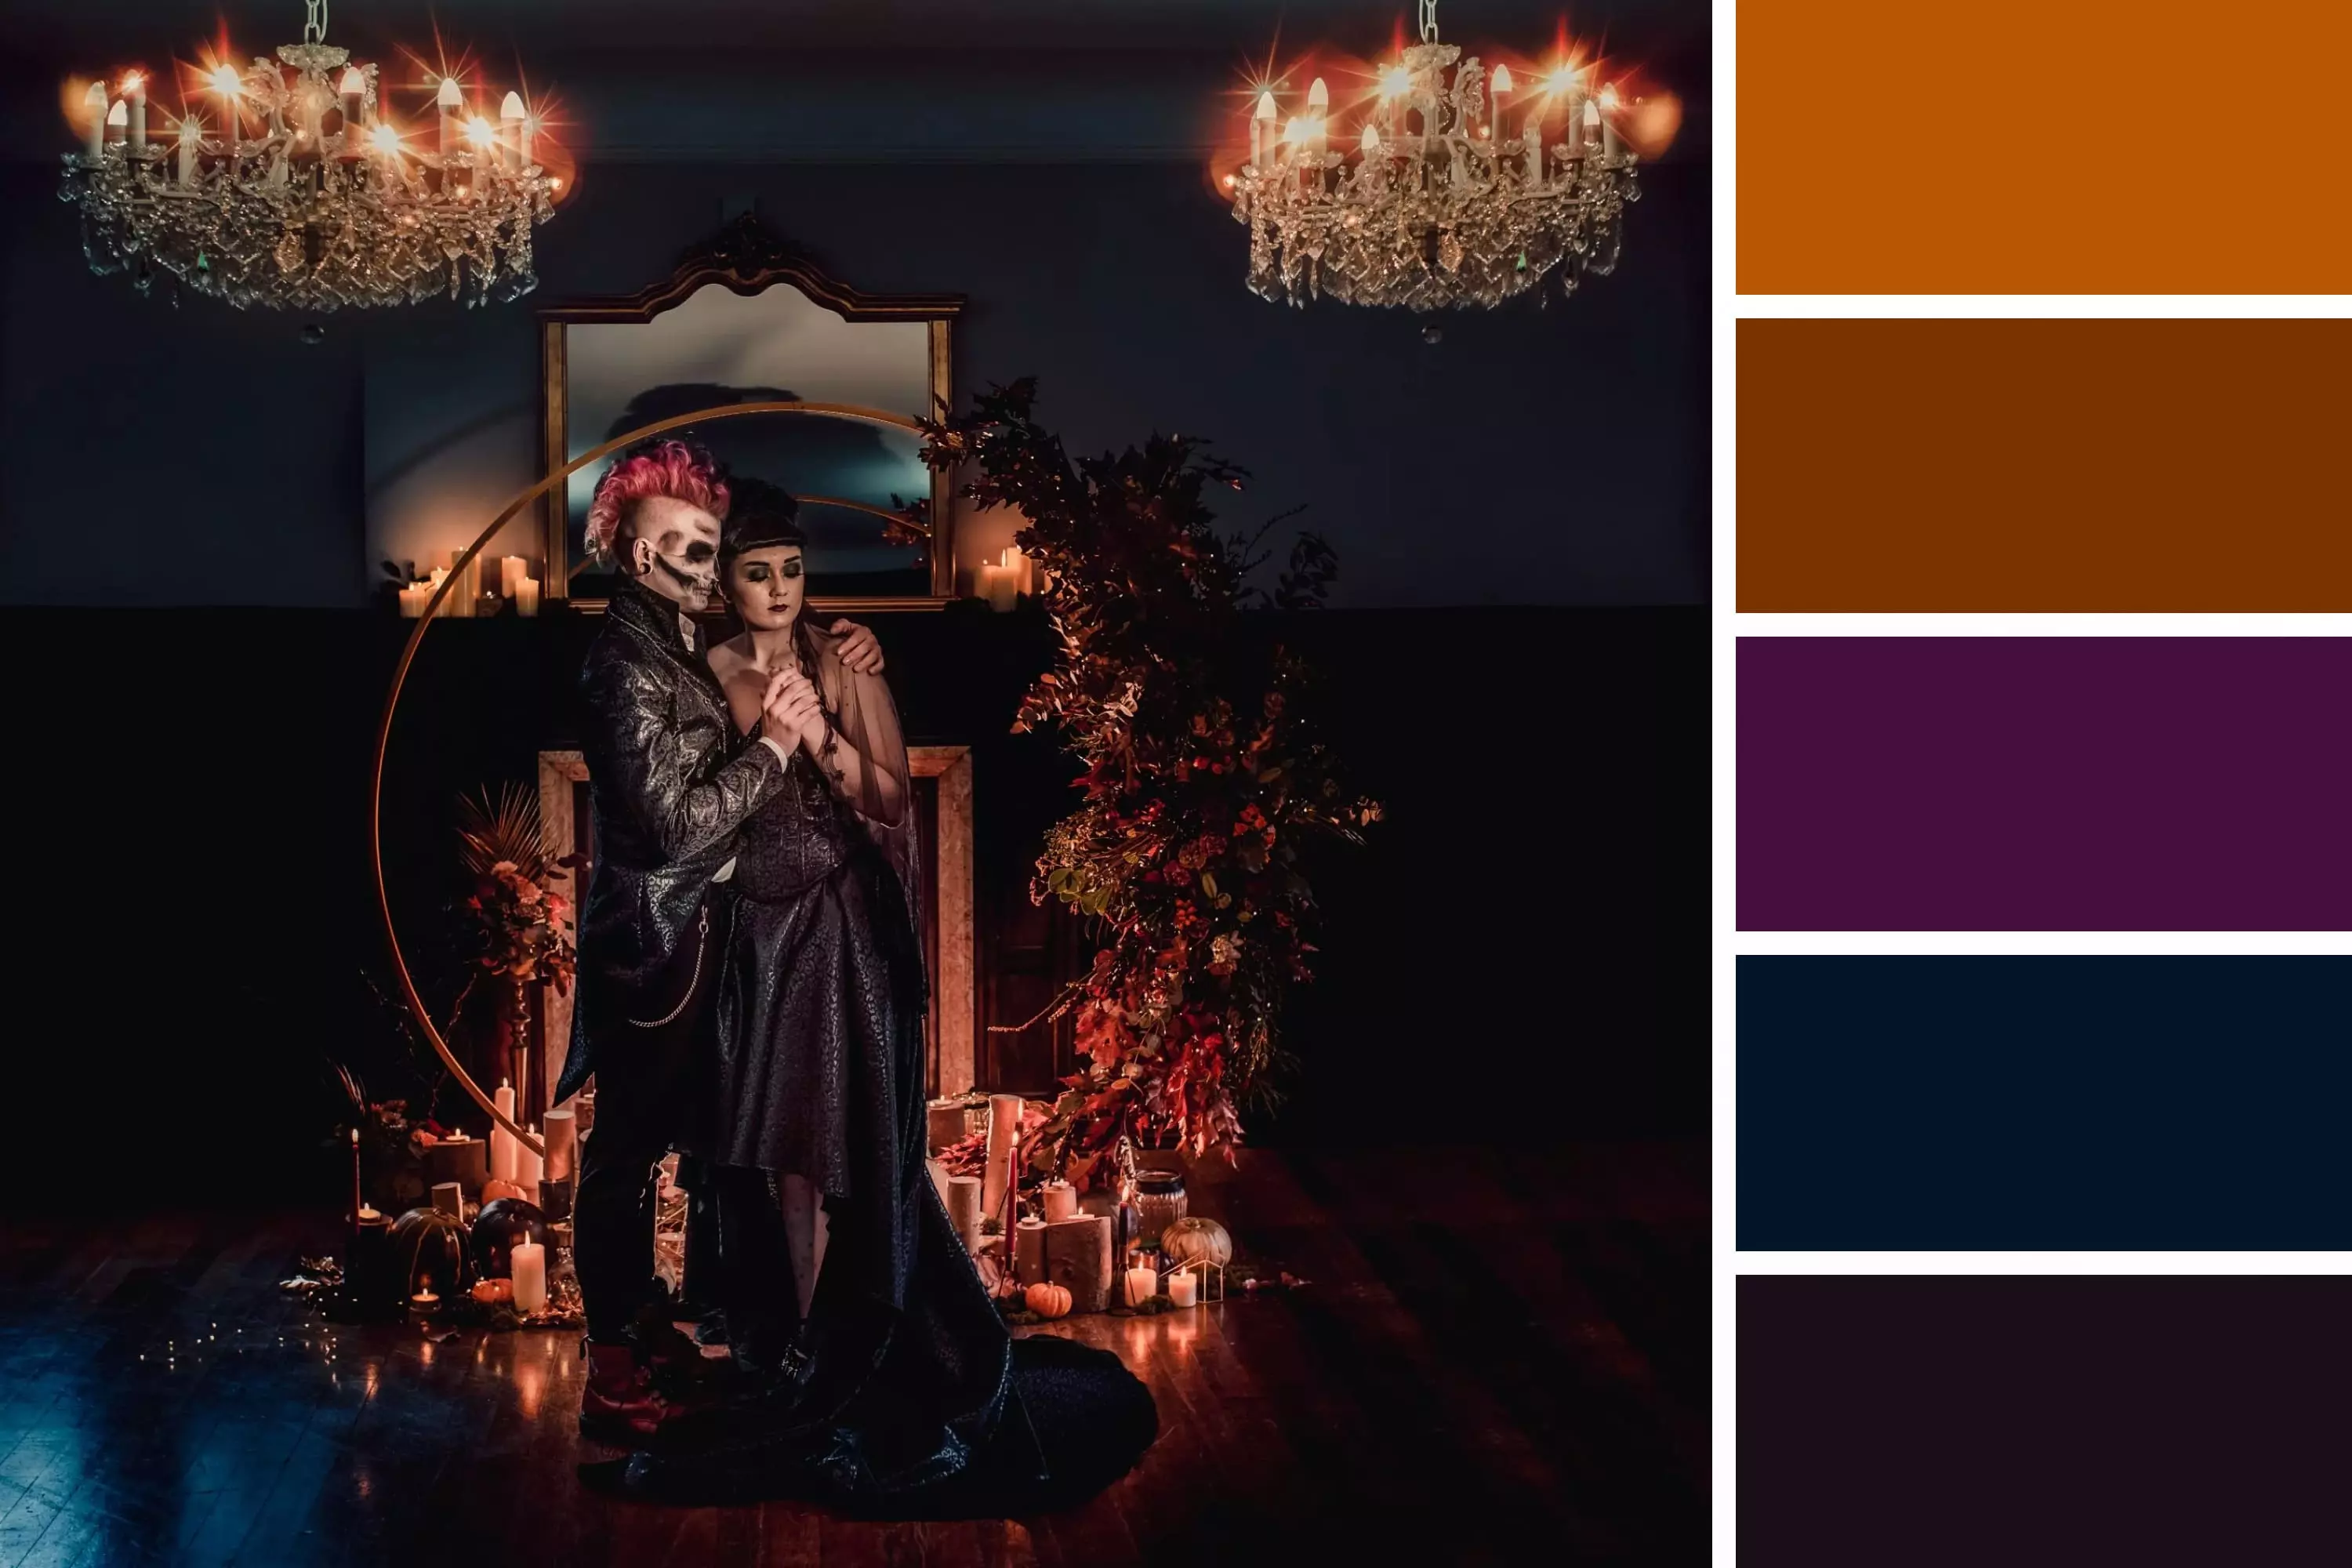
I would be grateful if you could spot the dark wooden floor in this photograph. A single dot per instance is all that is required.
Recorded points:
(1500, 1358)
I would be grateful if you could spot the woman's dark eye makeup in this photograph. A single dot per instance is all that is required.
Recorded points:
(788, 570)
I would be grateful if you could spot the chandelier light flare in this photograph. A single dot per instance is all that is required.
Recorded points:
(288, 183)
(1461, 187)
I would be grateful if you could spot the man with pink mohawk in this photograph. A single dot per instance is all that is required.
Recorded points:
(671, 782)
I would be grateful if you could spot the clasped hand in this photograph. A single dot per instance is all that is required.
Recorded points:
(792, 714)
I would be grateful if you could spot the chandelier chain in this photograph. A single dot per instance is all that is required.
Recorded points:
(314, 22)
(1429, 21)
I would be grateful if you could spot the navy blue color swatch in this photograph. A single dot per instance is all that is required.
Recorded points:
(2045, 1102)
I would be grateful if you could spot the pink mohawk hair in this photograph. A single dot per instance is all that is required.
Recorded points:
(671, 468)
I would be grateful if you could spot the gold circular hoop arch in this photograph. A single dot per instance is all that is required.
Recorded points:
(408, 657)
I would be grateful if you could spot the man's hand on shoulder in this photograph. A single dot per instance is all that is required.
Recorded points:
(859, 649)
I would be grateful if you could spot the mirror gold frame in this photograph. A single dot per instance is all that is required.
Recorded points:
(748, 259)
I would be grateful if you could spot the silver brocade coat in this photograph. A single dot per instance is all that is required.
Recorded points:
(670, 782)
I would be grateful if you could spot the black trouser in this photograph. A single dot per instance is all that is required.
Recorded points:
(646, 1079)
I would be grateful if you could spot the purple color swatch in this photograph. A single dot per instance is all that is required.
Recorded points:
(2046, 783)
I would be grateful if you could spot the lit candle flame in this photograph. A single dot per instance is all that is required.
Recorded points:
(1395, 82)
(226, 83)
(1609, 99)
(1562, 78)
(479, 131)
(384, 138)
(132, 81)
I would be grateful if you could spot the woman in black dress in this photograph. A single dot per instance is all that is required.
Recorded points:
(891, 1379)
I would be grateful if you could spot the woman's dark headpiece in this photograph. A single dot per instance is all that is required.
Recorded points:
(760, 515)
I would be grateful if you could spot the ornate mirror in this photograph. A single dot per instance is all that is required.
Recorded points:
(746, 319)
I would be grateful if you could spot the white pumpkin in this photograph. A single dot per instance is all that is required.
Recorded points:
(1194, 1239)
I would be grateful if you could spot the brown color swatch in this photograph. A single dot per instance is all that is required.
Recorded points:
(2045, 465)
(2075, 146)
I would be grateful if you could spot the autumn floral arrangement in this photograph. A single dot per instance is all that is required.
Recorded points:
(1204, 783)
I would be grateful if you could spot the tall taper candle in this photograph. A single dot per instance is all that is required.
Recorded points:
(134, 93)
(356, 1205)
(1003, 1133)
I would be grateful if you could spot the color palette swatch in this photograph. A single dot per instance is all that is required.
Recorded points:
(2063, 1103)
(2064, 465)
(1963, 1422)
(2044, 783)
(2075, 147)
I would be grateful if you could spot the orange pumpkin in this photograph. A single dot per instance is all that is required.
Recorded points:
(492, 1190)
(1049, 1300)
(489, 1292)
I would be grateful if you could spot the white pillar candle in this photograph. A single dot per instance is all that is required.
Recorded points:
(529, 1168)
(1142, 1284)
(964, 1208)
(562, 1144)
(1061, 1202)
(527, 596)
(93, 109)
(413, 596)
(1003, 588)
(134, 93)
(512, 569)
(530, 1277)
(503, 1148)
(1003, 1135)
(1184, 1289)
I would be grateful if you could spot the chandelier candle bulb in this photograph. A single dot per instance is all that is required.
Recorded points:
(93, 107)
(118, 121)
(1262, 121)
(511, 123)
(189, 133)
(1593, 123)
(529, 140)
(134, 93)
(1498, 88)
(449, 101)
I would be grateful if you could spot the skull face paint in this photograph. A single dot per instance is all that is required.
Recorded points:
(674, 549)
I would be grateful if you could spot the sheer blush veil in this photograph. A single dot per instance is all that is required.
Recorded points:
(866, 717)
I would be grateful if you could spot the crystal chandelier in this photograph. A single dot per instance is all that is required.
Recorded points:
(1435, 203)
(306, 196)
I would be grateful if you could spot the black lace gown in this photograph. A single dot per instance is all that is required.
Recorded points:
(920, 1402)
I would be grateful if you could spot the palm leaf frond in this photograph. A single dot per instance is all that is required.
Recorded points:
(505, 829)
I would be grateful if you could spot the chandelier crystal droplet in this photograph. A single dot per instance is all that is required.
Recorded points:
(1462, 188)
(303, 194)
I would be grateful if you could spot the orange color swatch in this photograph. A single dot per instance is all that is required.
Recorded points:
(2045, 465)
(2074, 146)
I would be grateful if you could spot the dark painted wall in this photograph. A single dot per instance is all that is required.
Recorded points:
(1517, 955)
(1535, 457)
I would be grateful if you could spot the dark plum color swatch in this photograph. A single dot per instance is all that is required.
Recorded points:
(2044, 783)
(2030, 1421)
